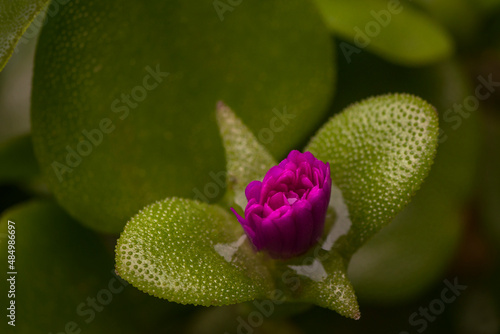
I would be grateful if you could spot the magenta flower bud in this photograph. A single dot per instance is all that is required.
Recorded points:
(285, 214)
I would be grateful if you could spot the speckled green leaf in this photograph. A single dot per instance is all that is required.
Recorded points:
(335, 291)
(15, 17)
(391, 29)
(411, 254)
(61, 267)
(191, 253)
(443, 85)
(147, 77)
(246, 158)
(380, 150)
(446, 87)
(320, 277)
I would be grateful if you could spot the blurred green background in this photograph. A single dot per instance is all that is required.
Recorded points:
(307, 57)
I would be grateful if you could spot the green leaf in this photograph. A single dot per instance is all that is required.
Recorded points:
(380, 150)
(246, 159)
(411, 254)
(335, 291)
(398, 33)
(15, 17)
(447, 11)
(18, 160)
(164, 141)
(61, 267)
(190, 253)
(320, 277)
(443, 85)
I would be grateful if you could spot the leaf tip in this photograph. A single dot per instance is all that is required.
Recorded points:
(224, 115)
(221, 105)
(222, 110)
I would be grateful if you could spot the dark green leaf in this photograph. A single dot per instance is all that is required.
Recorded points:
(65, 275)
(410, 254)
(18, 160)
(320, 277)
(106, 155)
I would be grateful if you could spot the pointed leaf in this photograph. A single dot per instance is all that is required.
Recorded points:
(322, 279)
(391, 29)
(380, 150)
(188, 252)
(246, 158)
(15, 17)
